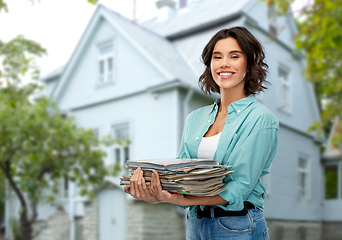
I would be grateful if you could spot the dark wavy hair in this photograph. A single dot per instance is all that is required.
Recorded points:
(256, 71)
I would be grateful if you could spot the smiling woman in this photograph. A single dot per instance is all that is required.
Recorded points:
(243, 46)
(236, 130)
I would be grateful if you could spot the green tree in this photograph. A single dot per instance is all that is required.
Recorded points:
(39, 147)
(17, 61)
(319, 35)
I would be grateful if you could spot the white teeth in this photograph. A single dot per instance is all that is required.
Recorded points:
(225, 74)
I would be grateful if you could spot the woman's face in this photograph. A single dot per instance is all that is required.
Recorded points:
(228, 65)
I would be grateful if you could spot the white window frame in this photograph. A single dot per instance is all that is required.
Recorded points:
(303, 193)
(121, 148)
(104, 57)
(283, 83)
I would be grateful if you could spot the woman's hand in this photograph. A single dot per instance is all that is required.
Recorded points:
(138, 188)
(162, 195)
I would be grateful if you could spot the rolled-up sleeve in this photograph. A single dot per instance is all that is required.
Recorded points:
(253, 156)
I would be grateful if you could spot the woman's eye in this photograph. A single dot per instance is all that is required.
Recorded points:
(217, 57)
(235, 56)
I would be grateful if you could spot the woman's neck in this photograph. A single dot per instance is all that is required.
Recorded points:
(229, 97)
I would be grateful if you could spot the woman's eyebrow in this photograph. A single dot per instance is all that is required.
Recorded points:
(234, 51)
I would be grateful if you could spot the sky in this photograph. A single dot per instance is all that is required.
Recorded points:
(58, 24)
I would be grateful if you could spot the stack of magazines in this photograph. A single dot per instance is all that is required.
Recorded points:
(198, 177)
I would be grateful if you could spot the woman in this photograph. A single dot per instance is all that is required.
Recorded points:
(236, 130)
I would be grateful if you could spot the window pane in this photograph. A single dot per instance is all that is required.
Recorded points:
(66, 187)
(121, 133)
(283, 75)
(110, 64)
(106, 49)
(331, 182)
(303, 177)
(101, 71)
(117, 155)
(101, 67)
(301, 184)
(96, 133)
(126, 150)
(285, 90)
(110, 69)
(302, 163)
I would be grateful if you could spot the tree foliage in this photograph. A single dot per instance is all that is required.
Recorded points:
(38, 146)
(319, 35)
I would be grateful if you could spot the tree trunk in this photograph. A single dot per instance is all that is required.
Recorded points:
(26, 226)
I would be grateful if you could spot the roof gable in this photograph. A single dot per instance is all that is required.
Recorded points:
(157, 50)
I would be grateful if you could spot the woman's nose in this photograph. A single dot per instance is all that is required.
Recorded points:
(224, 63)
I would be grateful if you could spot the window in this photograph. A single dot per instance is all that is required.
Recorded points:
(122, 142)
(272, 20)
(303, 177)
(64, 187)
(96, 133)
(105, 62)
(331, 182)
(285, 89)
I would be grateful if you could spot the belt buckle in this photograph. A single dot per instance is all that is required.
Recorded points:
(196, 212)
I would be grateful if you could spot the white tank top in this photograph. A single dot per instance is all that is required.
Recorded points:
(208, 146)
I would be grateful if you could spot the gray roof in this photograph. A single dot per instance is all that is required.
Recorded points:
(201, 15)
(55, 73)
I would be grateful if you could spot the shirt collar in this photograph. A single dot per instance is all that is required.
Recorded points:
(239, 106)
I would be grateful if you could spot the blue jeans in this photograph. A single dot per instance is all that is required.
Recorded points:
(252, 227)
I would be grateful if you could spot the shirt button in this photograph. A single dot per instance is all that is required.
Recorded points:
(238, 110)
(209, 120)
(197, 138)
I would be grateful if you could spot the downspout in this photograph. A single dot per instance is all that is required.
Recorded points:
(186, 103)
(71, 211)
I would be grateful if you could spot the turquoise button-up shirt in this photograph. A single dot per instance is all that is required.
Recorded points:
(248, 143)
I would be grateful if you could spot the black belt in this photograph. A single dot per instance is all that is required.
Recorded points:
(220, 212)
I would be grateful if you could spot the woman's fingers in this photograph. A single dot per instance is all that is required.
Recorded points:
(134, 183)
(138, 185)
(155, 185)
(127, 189)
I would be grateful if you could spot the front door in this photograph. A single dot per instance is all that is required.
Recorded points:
(112, 214)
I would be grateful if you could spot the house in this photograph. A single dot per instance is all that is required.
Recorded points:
(139, 81)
